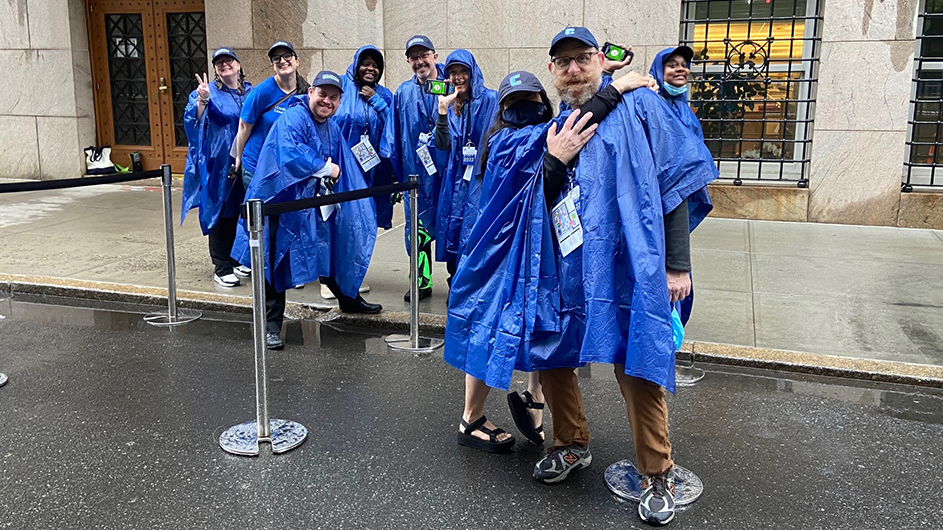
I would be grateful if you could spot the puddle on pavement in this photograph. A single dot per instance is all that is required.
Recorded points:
(899, 401)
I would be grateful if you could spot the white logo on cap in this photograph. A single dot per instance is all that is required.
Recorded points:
(331, 77)
(569, 31)
(414, 41)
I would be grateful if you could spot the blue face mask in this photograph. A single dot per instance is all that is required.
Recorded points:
(524, 113)
(673, 90)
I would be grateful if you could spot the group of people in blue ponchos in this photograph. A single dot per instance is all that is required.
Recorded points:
(566, 235)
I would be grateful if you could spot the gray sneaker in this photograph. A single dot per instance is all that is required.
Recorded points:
(657, 504)
(560, 461)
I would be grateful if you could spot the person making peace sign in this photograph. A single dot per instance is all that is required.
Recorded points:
(211, 120)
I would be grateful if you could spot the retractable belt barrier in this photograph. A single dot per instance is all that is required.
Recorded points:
(174, 316)
(285, 435)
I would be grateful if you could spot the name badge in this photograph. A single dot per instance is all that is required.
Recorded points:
(365, 154)
(423, 139)
(567, 226)
(469, 152)
(426, 159)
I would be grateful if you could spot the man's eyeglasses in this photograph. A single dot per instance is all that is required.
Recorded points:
(415, 58)
(286, 56)
(582, 59)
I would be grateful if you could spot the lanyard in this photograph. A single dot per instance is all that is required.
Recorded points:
(468, 121)
(317, 129)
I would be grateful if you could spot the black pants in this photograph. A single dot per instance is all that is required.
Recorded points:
(451, 265)
(221, 239)
(274, 300)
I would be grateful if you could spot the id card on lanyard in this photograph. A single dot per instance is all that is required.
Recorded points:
(424, 156)
(566, 219)
(365, 154)
(469, 152)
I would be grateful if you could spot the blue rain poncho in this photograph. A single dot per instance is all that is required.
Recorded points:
(356, 116)
(414, 112)
(505, 304)
(209, 139)
(679, 105)
(306, 246)
(467, 129)
(610, 295)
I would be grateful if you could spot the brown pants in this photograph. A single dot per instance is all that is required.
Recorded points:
(644, 403)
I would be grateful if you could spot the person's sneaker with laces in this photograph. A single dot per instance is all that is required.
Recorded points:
(657, 504)
(229, 280)
(242, 271)
(559, 461)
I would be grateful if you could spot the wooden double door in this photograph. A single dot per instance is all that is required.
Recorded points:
(144, 57)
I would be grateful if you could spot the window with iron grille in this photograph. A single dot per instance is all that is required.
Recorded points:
(753, 81)
(922, 166)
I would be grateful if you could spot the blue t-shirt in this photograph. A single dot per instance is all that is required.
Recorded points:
(262, 97)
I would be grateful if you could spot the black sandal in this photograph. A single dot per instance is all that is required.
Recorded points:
(522, 419)
(489, 446)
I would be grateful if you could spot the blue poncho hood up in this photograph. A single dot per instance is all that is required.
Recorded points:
(469, 127)
(679, 104)
(356, 116)
(205, 177)
(307, 246)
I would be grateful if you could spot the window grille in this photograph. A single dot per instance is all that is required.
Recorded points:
(926, 103)
(753, 81)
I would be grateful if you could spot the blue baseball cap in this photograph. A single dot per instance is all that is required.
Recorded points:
(419, 40)
(327, 78)
(574, 32)
(519, 81)
(281, 44)
(224, 52)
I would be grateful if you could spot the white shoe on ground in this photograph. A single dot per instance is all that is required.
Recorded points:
(364, 288)
(229, 280)
(242, 271)
(326, 293)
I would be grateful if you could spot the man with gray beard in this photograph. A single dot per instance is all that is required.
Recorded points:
(623, 216)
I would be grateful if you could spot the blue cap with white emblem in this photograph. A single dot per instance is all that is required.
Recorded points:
(574, 32)
(519, 81)
(327, 78)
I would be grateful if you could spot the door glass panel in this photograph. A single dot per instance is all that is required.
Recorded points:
(186, 39)
(130, 113)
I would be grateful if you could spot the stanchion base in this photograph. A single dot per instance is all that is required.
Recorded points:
(688, 375)
(624, 480)
(403, 343)
(162, 319)
(3, 379)
(243, 439)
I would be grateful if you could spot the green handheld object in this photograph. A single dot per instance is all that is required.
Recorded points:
(616, 53)
(438, 88)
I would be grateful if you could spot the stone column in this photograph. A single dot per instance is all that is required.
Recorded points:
(46, 106)
(863, 99)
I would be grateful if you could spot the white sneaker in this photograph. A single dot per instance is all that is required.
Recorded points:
(229, 280)
(242, 271)
(326, 293)
(364, 288)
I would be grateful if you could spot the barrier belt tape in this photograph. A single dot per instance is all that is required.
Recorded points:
(79, 182)
(334, 198)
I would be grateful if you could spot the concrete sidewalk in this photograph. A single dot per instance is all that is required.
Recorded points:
(862, 292)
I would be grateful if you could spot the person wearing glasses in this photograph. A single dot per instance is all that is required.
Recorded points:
(504, 302)
(305, 155)
(211, 120)
(464, 117)
(266, 102)
(412, 142)
(611, 221)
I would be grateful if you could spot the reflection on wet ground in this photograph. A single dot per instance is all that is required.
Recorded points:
(110, 422)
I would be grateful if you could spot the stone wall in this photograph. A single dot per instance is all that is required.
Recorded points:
(46, 109)
(865, 83)
(503, 35)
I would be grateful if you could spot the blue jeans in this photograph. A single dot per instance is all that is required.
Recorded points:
(246, 179)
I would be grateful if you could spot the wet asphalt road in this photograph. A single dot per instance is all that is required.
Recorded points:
(110, 423)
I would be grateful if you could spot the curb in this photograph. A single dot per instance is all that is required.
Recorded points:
(398, 321)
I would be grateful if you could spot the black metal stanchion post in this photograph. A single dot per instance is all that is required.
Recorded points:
(414, 343)
(283, 435)
(174, 316)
